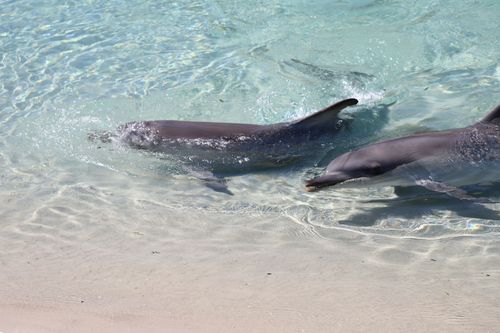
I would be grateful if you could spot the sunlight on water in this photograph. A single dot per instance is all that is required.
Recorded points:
(72, 68)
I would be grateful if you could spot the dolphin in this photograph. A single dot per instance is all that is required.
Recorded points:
(440, 161)
(209, 150)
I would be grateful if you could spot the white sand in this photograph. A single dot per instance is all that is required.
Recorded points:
(321, 281)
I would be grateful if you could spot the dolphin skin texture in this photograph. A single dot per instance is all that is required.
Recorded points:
(439, 161)
(214, 150)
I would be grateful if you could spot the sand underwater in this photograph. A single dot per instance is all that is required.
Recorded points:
(101, 237)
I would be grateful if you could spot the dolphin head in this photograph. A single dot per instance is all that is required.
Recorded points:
(366, 163)
(346, 168)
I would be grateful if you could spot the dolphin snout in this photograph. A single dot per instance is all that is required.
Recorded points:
(325, 181)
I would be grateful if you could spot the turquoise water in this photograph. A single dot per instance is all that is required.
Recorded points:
(68, 68)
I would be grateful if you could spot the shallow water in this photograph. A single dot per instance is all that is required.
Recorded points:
(74, 67)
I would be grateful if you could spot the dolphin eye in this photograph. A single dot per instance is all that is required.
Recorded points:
(339, 124)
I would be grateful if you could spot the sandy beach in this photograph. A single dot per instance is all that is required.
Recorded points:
(314, 280)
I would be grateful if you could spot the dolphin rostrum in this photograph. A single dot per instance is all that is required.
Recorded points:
(210, 150)
(439, 161)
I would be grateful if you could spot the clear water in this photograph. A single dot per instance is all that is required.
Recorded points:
(68, 68)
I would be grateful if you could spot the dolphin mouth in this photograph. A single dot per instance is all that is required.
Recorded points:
(321, 182)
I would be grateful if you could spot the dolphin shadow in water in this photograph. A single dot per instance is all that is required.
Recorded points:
(415, 202)
(356, 79)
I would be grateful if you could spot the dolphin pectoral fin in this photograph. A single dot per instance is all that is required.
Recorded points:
(210, 180)
(219, 185)
(324, 117)
(452, 191)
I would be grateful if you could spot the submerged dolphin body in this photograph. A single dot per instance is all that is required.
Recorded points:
(439, 161)
(356, 79)
(210, 150)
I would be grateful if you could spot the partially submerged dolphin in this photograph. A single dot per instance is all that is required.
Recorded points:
(440, 161)
(210, 150)
(356, 79)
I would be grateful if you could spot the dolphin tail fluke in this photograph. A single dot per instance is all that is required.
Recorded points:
(324, 117)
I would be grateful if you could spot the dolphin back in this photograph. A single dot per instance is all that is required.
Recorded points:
(324, 117)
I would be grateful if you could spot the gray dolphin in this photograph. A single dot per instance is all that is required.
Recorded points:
(210, 150)
(439, 161)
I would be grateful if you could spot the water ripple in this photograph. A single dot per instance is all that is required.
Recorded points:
(72, 68)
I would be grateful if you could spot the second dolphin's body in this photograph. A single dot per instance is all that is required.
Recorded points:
(440, 161)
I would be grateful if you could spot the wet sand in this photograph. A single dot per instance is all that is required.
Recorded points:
(279, 277)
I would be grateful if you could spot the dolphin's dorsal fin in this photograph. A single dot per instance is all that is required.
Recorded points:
(325, 116)
(493, 115)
